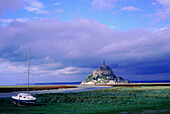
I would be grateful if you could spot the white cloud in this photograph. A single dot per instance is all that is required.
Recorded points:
(6, 22)
(160, 28)
(58, 11)
(165, 3)
(42, 69)
(163, 11)
(69, 70)
(35, 6)
(49, 66)
(57, 4)
(25, 19)
(101, 4)
(129, 8)
(112, 27)
(15, 67)
(153, 3)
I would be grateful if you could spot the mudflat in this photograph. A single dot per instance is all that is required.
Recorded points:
(33, 87)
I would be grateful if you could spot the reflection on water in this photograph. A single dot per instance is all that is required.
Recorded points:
(64, 90)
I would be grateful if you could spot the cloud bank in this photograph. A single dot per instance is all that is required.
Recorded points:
(68, 51)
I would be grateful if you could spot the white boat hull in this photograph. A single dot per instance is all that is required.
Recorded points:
(23, 98)
(24, 101)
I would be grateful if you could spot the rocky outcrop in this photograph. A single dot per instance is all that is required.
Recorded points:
(103, 75)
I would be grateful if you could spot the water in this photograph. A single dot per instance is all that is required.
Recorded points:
(59, 83)
(152, 81)
(53, 83)
(63, 90)
(77, 83)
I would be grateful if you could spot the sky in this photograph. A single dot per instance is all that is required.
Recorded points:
(69, 39)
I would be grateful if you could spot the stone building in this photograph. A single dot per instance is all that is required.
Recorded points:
(103, 71)
(103, 75)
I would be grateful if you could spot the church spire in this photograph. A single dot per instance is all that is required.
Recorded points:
(104, 62)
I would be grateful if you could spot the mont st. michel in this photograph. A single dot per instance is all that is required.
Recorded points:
(103, 75)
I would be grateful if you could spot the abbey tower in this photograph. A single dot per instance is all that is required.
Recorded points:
(103, 75)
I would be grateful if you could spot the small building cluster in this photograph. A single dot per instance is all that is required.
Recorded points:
(103, 75)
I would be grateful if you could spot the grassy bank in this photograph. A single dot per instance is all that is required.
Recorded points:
(113, 100)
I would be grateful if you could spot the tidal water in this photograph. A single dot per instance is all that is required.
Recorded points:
(152, 81)
(64, 90)
(76, 83)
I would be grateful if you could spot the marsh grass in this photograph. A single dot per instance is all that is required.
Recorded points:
(113, 100)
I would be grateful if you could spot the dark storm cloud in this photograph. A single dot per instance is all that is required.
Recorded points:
(74, 47)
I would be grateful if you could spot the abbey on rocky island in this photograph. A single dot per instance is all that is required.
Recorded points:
(103, 75)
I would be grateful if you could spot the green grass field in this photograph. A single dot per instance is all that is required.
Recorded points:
(112, 100)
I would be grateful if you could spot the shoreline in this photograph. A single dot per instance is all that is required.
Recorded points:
(59, 90)
(8, 89)
(133, 84)
(12, 86)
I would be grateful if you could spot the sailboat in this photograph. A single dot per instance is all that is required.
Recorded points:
(25, 98)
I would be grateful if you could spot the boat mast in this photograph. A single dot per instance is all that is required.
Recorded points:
(28, 70)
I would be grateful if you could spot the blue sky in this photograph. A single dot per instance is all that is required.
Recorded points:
(70, 38)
